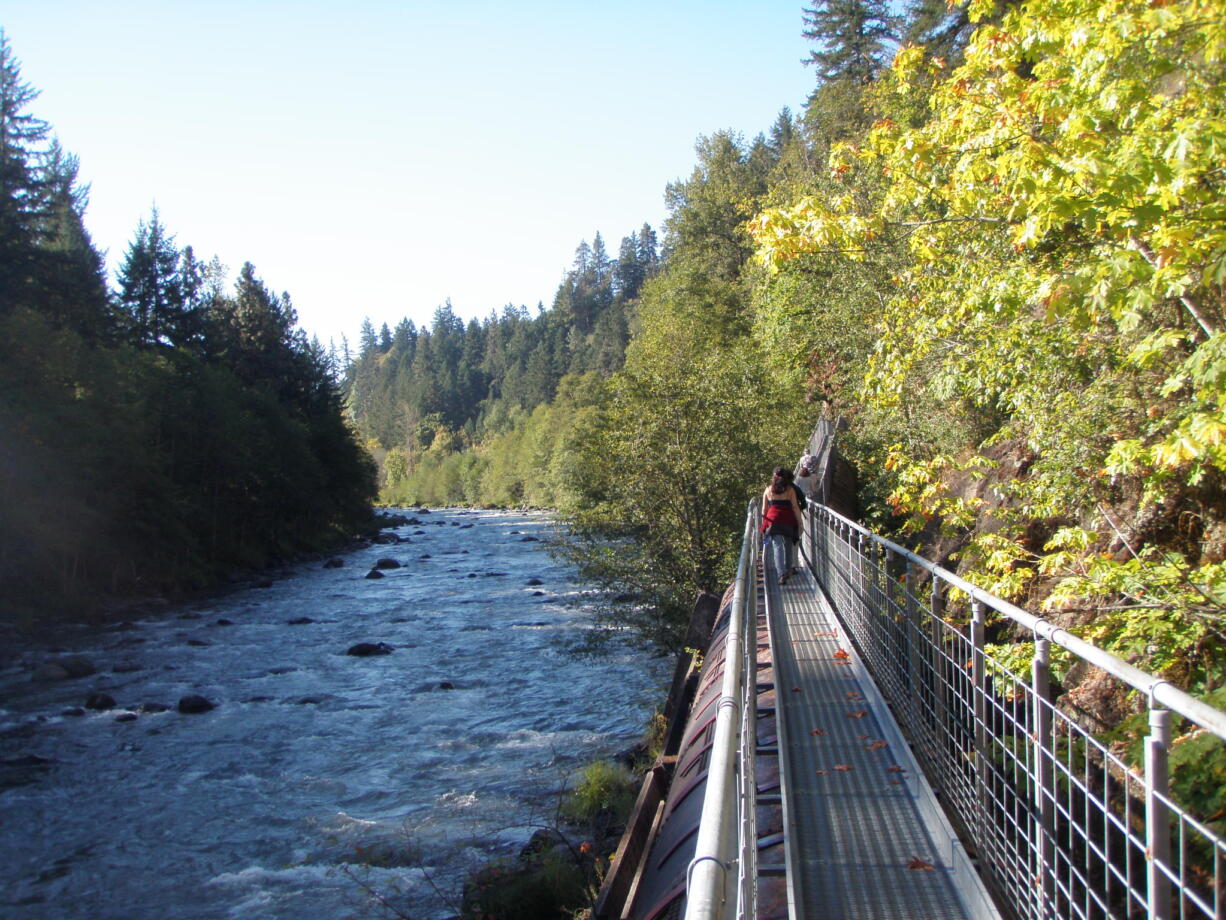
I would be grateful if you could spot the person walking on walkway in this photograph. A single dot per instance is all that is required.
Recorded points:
(794, 545)
(805, 479)
(780, 520)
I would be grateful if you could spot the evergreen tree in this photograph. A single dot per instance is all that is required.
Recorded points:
(404, 339)
(21, 187)
(150, 288)
(648, 250)
(629, 273)
(943, 28)
(782, 132)
(854, 38)
(72, 277)
(368, 344)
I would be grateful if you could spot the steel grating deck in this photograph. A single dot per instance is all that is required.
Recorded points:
(859, 844)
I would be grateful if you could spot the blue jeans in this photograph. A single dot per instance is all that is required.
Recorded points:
(777, 550)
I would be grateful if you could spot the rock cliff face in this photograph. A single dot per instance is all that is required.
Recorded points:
(1189, 524)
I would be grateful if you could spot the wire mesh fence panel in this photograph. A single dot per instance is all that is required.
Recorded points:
(1064, 824)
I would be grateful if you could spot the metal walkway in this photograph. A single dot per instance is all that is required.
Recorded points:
(792, 794)
(862, 844)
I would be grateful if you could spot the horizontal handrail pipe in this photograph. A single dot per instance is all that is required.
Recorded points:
(712, 888)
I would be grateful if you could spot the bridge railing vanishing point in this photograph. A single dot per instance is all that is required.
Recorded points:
(1062, 825)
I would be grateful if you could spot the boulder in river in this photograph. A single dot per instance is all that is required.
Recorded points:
(335, 562)
(299, 621)
(366, 649)
(387, 562)
(65, 668)
(374, 573)
(194, 703)
(99, 701)
(533, 582)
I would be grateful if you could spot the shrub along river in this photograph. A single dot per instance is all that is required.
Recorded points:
(319, 777)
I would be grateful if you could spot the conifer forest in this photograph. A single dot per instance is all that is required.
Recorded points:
(992, 243)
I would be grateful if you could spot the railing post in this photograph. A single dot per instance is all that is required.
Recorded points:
(911, 635)
(1044, 783)
(862, 602)
(979, 704)
(1157, 818)
(940, 676)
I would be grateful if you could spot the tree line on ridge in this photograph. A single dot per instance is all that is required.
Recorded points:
(156, 437)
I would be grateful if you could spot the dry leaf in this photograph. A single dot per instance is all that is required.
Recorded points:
(854, 695)
(895, 769)
(821, 772)
(795, 689)
(858, 714)
(843, 767)
(875, 746)
(917, 863)
(841, 655)
(818, 731)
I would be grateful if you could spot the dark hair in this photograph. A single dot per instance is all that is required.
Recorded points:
(779, 481)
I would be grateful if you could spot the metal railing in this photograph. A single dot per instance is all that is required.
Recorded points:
(722, 877)
(1063, 825)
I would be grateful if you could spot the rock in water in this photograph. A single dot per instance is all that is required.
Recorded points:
(65, 668)
(100, 701)
(193, 703)
(366, 649)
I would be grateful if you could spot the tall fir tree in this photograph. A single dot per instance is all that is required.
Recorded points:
(150, 288)
(854, 38)
(21, 187)
(72, 278)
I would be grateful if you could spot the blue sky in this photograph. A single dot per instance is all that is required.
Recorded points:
(374, 158)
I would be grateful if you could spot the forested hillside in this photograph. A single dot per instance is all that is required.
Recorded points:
(992, 243)
(422, 398)
(155, 437)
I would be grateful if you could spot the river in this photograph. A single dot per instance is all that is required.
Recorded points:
(321, 782)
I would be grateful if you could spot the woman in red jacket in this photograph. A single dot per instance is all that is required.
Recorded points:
(780, 520)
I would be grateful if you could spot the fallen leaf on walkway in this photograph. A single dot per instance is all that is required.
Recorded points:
(821, 772)
(858, 714)
(895, 782)
(843, 767)
(818, 731)
(854, 695)
(862, 737)
(841, 654)
(917, 863)
(825, 635)
(795, 689)
(875, 746)
(895, 769)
